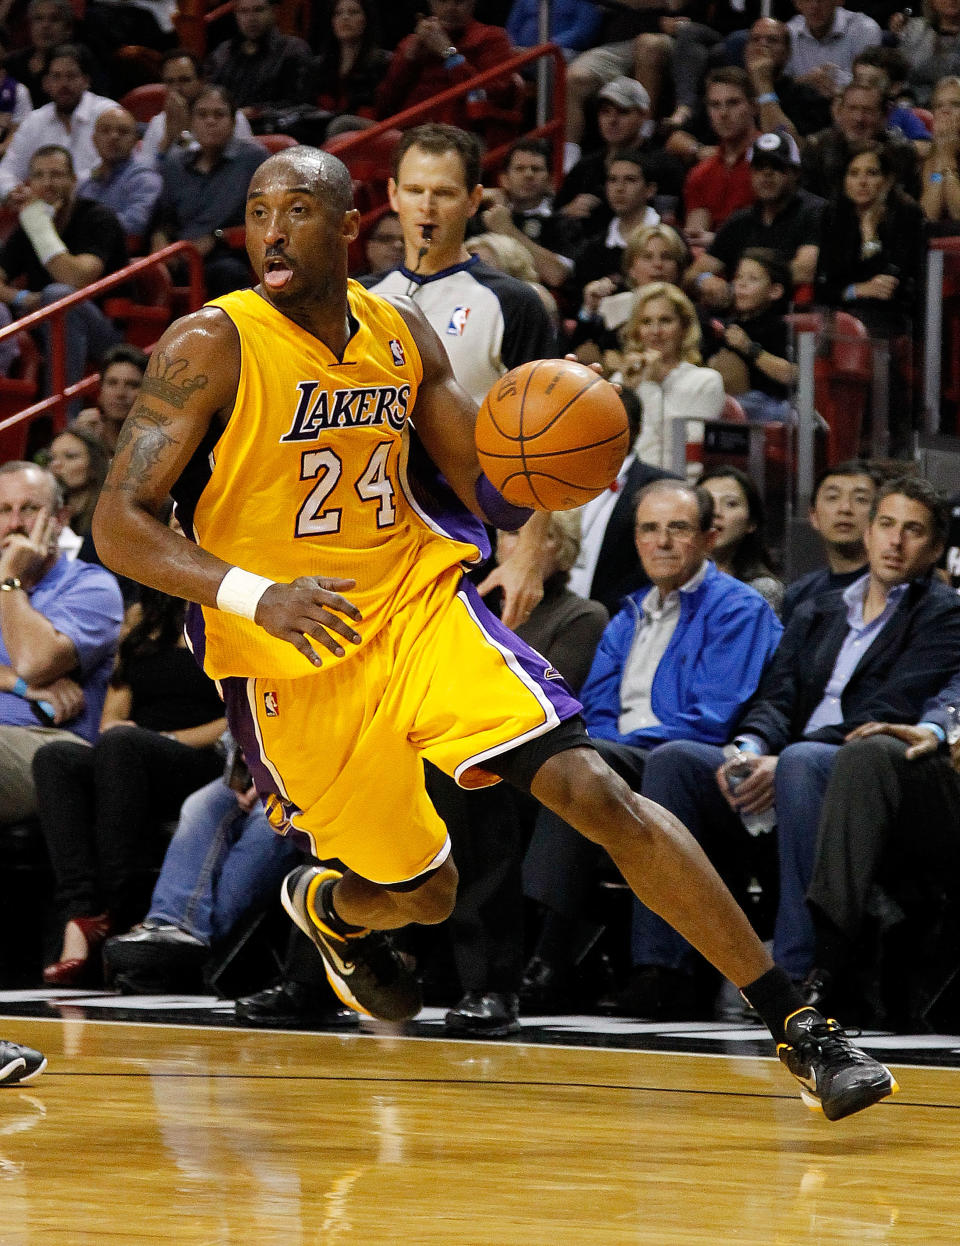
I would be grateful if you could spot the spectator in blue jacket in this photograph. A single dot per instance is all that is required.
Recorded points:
(573, 23)
(678, 662)
(875, 651)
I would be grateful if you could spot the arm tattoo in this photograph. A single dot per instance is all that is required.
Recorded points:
(168, 383)
(143, 434)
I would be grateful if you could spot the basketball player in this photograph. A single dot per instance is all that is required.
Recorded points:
(19, 1065)
(297, 425)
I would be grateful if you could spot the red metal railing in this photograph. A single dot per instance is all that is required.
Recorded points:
(62, 393)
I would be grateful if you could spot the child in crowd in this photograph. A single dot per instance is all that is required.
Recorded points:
(754, 347)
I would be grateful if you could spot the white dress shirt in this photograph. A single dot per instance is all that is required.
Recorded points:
(43, 126)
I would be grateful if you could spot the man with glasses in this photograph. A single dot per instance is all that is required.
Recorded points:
(680, 661)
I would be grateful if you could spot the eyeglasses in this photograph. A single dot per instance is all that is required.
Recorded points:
(676, 529)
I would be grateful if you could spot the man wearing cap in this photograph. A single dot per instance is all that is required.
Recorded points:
(783, 217)
(719, 185)
(623, 119)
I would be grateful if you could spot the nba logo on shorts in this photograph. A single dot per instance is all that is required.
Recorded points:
(396, 349)
(271, 705)
(458, 321)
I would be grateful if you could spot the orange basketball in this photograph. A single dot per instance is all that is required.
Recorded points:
(552, 434)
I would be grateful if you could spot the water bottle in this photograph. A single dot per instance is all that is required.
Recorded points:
(736, 770)
(952, 714)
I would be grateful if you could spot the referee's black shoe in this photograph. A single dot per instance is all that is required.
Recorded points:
(836, 1078)
(365, 970)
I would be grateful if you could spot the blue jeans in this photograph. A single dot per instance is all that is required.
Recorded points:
(680, 777)
(220, 864)
(88, 333)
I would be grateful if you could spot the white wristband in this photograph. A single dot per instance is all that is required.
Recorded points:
(36, 223)
(240, 592)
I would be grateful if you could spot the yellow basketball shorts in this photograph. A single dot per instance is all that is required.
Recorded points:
(338, 756)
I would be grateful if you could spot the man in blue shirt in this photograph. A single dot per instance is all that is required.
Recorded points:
(59, 628)
(678, 662)
(877, 650)
(129, 188)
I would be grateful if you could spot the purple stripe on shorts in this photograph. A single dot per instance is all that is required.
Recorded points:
(196, 632)
(534, 665)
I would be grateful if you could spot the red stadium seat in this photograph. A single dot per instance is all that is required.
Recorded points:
(146, 101)
(276, 142)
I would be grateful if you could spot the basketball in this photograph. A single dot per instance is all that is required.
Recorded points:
(552, 434)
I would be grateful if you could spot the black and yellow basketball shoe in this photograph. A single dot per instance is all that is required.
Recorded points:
(835, 1077)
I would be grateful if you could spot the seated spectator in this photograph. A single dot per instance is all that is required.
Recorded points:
(259, 66)
(127, 187)
(652, 253)
(784, 218)
(783, 103)
(522, 208)
(489, 828)
(886, 69)
(624, 122)
(720, 184)
(62, 243)
(753, 358)
(839, 512)
(505, 253)
(50, 23)
(859, 116)
(628, 192)
(662, 363)
(612, 57)
(739, 519)
(447, 47)
(342, 79)
(825, 38)
(930, 41)
(888, 824)
(79, 462)
(940, 175)
(180, 74)
(59, 626)
(223, 862)
(878, 650)
(872, 245)
(67, 121)
(573, 25)
(679, 661)
(15, 102)
(121, 374)
(205, 191)
(383, 245)
(102, 809)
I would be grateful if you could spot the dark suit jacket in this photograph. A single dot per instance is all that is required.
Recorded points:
(619, 570)
(909, 661)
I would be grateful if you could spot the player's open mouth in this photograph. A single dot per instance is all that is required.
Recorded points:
(276, 273)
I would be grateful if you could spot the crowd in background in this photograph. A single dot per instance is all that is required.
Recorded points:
(720, 170)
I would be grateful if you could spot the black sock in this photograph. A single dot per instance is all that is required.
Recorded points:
(324, 903)
(775, 997)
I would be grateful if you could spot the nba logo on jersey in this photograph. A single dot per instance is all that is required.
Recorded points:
(396, 349)
(458, 321)
(270, 705)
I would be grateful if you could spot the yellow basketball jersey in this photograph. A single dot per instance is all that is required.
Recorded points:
(312, 476)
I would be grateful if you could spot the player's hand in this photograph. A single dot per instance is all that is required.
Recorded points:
(22, 557)
(310, 606)
(755, 793)
(921, 739)
(65, 695)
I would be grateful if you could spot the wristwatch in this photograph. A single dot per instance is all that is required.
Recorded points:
(8, 585)
(449, 52)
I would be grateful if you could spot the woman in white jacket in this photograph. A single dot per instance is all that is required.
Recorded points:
(662, 363)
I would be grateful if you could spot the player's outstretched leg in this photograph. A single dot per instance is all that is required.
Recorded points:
(670, 873)
(19, 1065)
(364, 968)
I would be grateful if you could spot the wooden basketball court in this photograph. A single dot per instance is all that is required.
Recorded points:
(151, 1133)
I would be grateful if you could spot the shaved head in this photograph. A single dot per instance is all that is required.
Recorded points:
(321, 173)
